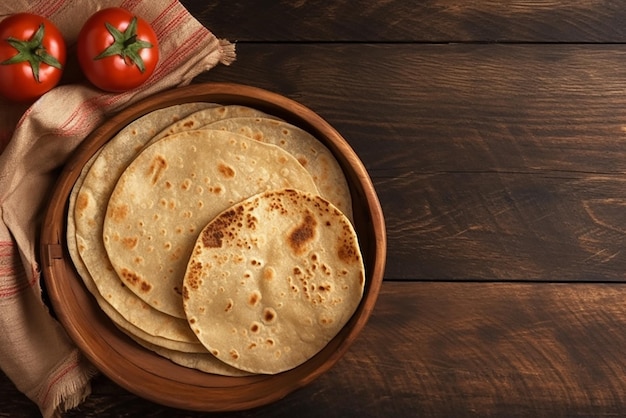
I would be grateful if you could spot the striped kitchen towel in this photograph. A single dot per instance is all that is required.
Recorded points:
(35, 141)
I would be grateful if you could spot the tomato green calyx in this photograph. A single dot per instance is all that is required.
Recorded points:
(33, 52)
(126, 45)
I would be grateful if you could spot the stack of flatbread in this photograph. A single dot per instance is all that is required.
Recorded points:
(219, 237)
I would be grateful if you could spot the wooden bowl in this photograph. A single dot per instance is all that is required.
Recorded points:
(155, 378)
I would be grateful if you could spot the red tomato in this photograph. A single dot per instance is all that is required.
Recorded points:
(32, 56)
(117, 51)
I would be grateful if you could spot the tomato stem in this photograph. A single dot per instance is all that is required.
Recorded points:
(33, 52)
(130, 41)
(126, 45)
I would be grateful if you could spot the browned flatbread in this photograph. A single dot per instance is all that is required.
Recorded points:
(272, 280)
(171, 190)
(154, 191)
(316, 158)
(87, 205)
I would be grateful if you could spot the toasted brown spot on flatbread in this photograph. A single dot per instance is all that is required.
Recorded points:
(269, 315)
(155, 171)
(229, 306)
(251, 221)
(226, 171)
(348, 251)
(82, 201)
(254, 298)
(269, 274)
(212, 235)
(135, 280)
(326, 321)
(129, 242)
(302, 234)
(118, 213)
(194, 271)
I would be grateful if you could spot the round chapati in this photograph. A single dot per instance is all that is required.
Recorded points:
(171, 190)
(87, 205)
(203, 117)
(272, 280)
(187, 342)
(205, 362)
(314, 156)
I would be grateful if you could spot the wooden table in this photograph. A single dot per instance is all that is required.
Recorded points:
(495, 134)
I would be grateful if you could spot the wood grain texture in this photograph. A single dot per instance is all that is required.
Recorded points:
(444, 21)
(495, 134)
(491, 161)
(451, 349)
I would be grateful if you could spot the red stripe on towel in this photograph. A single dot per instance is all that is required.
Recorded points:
(13, 279)
(156, 23)
(47, 8)
(62, 373)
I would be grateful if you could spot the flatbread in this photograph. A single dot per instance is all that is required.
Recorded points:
(84, 232)
(170, 192)
(314, 156)
(203, 117)
(272, 280)
(190, 345)
(205, 362)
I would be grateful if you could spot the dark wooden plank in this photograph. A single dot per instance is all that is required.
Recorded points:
(414, 21)
(491, 161)
(13, 403)
(450, 349)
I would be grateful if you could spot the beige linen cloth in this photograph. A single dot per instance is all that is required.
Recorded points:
(35, 141)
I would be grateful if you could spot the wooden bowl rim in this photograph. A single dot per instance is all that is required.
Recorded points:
(146, 374)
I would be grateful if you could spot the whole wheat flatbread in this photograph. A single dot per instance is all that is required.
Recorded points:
(203, 117)
(272, 280)
(171, 190)
(168, 324)
(314, 156)
(93, 198)
(205, 362)
(87, 205)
